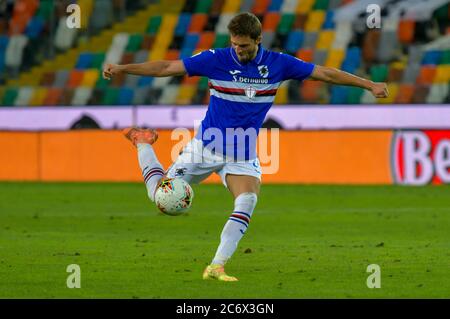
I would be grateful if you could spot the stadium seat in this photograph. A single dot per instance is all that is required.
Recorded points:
(438, 93)
(285, 23)
(260, 7)
(445, 57)
(270, 21)
(442, 74)
(304, 6)
(35, 27)
(154, 24)
(231, 6)
(335, 58)
(275, 6)
(406, 31)
(315, 21)
(216, 7)
(386, 51)
(110, 96)
(309, 91)
(294, 41)
(169, 94)
(53, 96)
(268, 39)
(184, 21)
(198, 22)
(140, 95)
(98, 60)
(246, 5)
(370, 45)
(185, 94)
(221, 41)
(61, 78)
(378, 73)
(306, 55)
(354, 95)
(206, 40)
(310, 39)
(75, 78)
(66, 97)
(395, 73)
(47, 79)
(368, 98)
(426, 74)
(432, 57)
(411, 72)
(339, 94)
(300, 21)
(125, 96)
(203, 6)
(14, 50)
(90, 78)
(405, 94)
(84, 61)
(329, 23)
(81, 96)
(10, 96)
(172, 55)
(38, 96)
(320, 57)
(321, 5)
(420, 94)
(325, 39)
(289, 6)
(134, 42)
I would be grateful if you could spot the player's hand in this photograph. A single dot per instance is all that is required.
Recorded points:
(111, 70)
(379, 90)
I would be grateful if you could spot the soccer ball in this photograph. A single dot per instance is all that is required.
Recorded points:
(174, 196)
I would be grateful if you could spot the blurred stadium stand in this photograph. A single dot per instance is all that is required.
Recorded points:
(42, 62)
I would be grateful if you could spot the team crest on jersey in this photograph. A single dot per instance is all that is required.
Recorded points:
(250, 91)
(263, 71)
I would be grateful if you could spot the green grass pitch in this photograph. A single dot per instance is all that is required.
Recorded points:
(303, 242)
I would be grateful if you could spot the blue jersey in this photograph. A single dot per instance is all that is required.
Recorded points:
(241, 95)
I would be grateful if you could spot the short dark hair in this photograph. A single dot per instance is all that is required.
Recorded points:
(245, 24)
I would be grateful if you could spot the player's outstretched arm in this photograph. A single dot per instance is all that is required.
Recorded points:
(335, 76)
(151, 68)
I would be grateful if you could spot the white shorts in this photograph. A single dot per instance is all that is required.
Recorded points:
(196, 163)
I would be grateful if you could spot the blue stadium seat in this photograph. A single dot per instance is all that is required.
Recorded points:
(4, 39)
(294, 41)
(190, 41)
(352, 59)
(329, 23)
(275, 5)
(35, 27)
(339, 94)
(183, 24)
(186, 52)
(145, 81)
(126, 96)
(432, 57)
(84, 61)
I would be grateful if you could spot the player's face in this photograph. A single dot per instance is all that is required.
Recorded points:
(245, 47)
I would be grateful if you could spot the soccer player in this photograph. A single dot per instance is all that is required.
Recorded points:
(243, 80)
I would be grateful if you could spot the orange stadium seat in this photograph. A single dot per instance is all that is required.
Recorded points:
(260, 7)
(53, 96)
(405, 94)
(198, 22)
(405, 31)
(426, 75)
(270, 21)
(75, 78)
(306, 55)
(206, 40)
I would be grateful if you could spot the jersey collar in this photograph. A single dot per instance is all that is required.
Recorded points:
(256, 60)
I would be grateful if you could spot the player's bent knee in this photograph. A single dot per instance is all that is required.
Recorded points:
(246, 201)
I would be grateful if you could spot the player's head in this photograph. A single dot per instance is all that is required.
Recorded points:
(245, 35)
